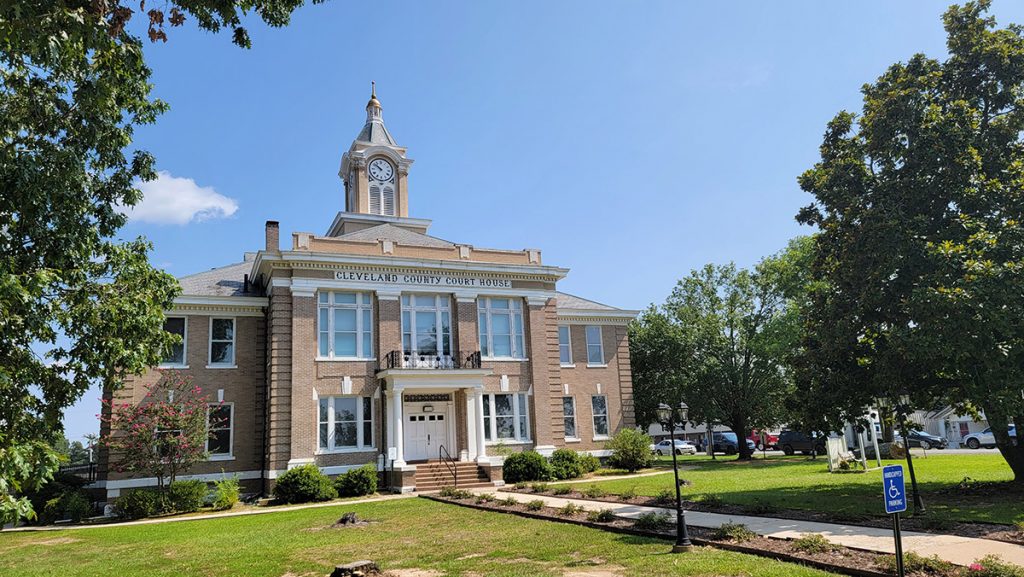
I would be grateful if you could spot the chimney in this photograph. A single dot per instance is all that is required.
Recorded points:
(273, 236)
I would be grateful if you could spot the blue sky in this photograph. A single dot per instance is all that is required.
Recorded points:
(630, 141)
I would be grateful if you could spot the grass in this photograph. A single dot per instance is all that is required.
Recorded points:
(800, 483)
(402, 534)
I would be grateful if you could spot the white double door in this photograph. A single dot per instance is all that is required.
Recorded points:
(424, 434)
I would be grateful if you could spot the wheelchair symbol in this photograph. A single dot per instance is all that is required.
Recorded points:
(894, 492)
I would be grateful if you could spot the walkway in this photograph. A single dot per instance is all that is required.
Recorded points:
(952, 548)
(204, 516)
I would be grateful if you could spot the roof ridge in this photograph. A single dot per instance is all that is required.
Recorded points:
(588, 300)
(214, 269)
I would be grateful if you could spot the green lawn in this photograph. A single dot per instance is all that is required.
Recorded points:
(799, 483)
(404, 534)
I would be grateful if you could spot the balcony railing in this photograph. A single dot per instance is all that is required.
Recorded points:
(411, 360)
(85, 471)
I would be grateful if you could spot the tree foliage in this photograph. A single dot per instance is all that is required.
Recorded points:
(723, 343)
(77, 305)
(920, 257)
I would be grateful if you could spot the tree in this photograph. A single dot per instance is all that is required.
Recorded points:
(161, 436)
(73, 85)
(722, 343)
(920, 205)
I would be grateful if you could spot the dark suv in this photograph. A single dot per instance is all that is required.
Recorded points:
(793, 441)
(725, 442)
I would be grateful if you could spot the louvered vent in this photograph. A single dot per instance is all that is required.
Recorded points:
(389, 201)
(375, 199)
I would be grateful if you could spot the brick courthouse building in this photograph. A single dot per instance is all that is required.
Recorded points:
(378, 343)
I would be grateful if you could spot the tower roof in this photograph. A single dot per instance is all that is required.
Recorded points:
(374, 131)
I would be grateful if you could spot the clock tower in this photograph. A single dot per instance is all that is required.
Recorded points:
(375, 170)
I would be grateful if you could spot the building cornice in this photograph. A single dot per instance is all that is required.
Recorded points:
(207, 305)
(587, 316)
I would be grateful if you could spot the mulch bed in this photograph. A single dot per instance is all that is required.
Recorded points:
(992, 531)
(843, 560)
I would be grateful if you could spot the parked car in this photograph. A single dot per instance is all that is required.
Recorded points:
(772, 441)
(924, 440)
(726, 442)
(792, 441)
(682, 447)
(985, 438)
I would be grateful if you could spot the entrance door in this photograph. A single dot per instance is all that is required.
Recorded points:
(424, 433)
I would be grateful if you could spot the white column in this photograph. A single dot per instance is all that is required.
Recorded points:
(472, 423)
(481, 455)
(399, 438)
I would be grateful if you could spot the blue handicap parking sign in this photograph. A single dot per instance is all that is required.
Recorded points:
(893, 489)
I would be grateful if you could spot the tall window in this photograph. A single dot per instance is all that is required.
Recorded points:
(595, 348)
(506, 417)
(382, 199)
(569, 417)
(599, 406)
(222, 342)
(176, 354)
(345, 423)
(564, 346)
(501, 328)
(426, 326)
(219, 423)
(345, 325)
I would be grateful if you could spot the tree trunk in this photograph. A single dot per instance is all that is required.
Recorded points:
(738, 426)
(1012, 452)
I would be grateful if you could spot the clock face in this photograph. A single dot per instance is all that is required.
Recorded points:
(381, 170)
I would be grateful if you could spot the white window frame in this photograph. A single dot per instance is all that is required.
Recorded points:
(442, 304)
(234, 345)
(184, 346)
(484, 308)
(594, 416)
(574, 417)
(567, 345)
(361, 444)
(230, 455)
(599, 344)
(360, 307)
(490, 420)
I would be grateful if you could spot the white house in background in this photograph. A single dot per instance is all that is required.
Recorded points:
(946, 423)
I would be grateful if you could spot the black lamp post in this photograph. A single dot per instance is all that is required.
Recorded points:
(670, 417)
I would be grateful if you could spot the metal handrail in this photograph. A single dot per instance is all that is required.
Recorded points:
(445, 457)
(415, 360)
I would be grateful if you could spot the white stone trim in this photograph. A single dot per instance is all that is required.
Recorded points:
(115, 487)
(323, 260)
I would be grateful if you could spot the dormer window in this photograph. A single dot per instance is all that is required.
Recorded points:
(382, 187)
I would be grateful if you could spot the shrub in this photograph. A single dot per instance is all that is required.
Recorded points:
(566, 464)
(138, 503)
(813, 543)
(535, 505)
(484, 498)
(226, 492)
(602, 516)
(357, 482)
(570, 509)
(914, 563)
(711, 499)
(993, 566)
(589, 462)
(737, 532)
(760, 508)
(664, 497)
(187, 496)
(539, 488)
(54, 488)
(70, 504)
(653, 521)
(594, 492)
(526, 466)
(453, 493)
(628, 495)
(562, 490)
(304, 484)
(521, 485)
(630, 450)
(507, 502)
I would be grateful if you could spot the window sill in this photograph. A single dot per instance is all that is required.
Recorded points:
(504, 359)
(345, 359)
(166, 367)
(506, 442)
(573, 440)
(601, 437)
(568, 366)
(596, 366)
(345, 450)
(221, 458)
(222, 366)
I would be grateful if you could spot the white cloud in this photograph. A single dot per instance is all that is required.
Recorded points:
(178, 200)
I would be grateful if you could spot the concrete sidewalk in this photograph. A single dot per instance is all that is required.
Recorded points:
(952, 548)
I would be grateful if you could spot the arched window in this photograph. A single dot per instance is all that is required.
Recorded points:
(382, 187)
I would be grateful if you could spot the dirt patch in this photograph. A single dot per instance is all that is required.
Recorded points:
(470, 556)
(611, 571)
(412, 573)
(47, 542)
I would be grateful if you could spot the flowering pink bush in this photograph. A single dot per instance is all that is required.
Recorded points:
(163, 435)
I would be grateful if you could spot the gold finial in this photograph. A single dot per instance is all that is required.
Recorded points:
(373, 89)
(373, 103)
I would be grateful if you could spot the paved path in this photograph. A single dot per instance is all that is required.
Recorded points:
(952, 548)
(203, 517)
(603, 478)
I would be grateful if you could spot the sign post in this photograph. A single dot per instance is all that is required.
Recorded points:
(894, 494)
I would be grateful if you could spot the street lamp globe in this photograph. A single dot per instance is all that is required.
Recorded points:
(664, 414)
(684, 411)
